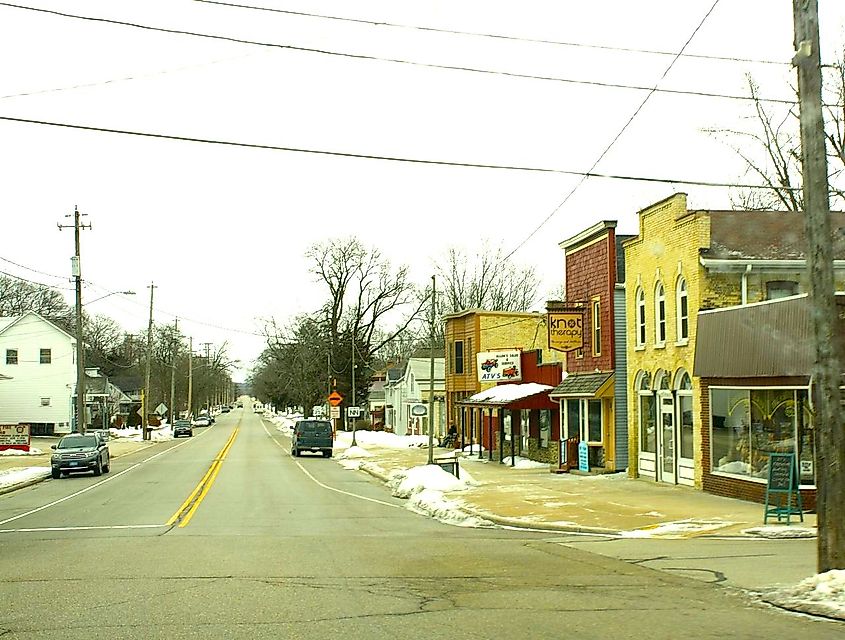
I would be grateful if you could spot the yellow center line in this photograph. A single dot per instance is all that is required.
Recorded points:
(186, 511)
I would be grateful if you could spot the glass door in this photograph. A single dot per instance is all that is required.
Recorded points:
(666, 440)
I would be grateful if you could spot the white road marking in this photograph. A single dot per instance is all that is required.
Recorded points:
(91, 528)
(325, 486)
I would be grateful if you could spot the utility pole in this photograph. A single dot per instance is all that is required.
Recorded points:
(353, 403)
(147, 395)
(207, 346)
(190, 376)
(173, 352)
(827, 369)
(431, 384)
(76, 270)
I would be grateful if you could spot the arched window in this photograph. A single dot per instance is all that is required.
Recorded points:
(659, 314)
(640, 317)
(647, 413)
(682, 310)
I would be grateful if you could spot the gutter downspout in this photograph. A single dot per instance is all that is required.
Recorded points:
(744, 287)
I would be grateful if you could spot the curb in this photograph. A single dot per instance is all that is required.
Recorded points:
(506, 521)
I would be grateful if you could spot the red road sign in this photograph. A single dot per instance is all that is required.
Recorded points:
(335, 398)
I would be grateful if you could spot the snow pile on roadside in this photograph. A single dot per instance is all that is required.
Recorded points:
(525, 463)
(424, 487)
(380, 439)
(677, 529)
(164, 432)
(780, 531)
(433, 503)
(354, 452)
(822, 594)
(19, 475)
(405, 483)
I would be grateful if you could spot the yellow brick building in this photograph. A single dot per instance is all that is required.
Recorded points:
(683, 261)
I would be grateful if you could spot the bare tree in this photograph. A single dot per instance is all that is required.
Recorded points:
(19, 296)
(365, 291)
(485, 281)
(771, 148)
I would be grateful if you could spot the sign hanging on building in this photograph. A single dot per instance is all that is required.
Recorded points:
(499, 366)
(566, 328)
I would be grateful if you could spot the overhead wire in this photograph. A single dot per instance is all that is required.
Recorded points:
(345, 154)
(359, 56)
(496, 36)
(615, 138)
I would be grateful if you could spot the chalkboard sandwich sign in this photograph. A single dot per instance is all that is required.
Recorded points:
(783, 497)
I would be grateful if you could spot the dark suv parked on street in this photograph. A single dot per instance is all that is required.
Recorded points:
(182, 428)
(312, 435)
(79, 452)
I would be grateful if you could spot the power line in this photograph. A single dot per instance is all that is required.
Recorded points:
(359, 56)
(496, 36)
(39, 284)
(33, 270)
(615, 138)
(343, 154)
(87, 85)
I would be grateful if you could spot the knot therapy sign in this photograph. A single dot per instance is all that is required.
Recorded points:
(566, 329)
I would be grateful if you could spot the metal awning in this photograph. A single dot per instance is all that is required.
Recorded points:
(583, 385)
(504, 394)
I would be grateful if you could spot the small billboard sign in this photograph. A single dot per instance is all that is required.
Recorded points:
(14, 436)
(499, 366)
(334, 412)
(566, 329)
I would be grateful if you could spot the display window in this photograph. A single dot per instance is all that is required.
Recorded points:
(748, 425)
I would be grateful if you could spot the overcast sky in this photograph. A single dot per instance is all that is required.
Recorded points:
(221, 229)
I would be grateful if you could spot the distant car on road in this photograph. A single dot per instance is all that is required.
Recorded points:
(182, 428)
(225, 409)
(77, 452)
(201, 421)
(312, 435)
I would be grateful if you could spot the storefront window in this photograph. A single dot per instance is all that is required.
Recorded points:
(748, 425)
(506, 424)
(573, 419)
(594, 420)
(545, 427)
(524, 427)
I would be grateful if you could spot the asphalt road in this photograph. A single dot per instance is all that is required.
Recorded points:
(276, 547)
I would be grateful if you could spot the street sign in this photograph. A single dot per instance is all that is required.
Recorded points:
(335, 398)
(161, 409)
(353, 412)
(334, 412)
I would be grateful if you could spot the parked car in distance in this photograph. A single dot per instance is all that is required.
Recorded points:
(312, 435)
(182, 428)
(77, 452)
(201, 421)
(225, 409)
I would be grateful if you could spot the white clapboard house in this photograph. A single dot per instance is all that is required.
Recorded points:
(39, 358)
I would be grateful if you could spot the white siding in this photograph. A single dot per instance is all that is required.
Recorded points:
(20, 397)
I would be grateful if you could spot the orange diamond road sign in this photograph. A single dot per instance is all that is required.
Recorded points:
(335, 398)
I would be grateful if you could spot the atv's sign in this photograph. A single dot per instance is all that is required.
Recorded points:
(499, 366)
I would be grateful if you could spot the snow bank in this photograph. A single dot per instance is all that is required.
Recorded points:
(20, 475)
(822, 594)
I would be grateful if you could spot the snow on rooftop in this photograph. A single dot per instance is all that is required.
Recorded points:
(505, 393)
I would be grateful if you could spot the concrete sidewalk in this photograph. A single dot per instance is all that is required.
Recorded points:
(609, 503)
